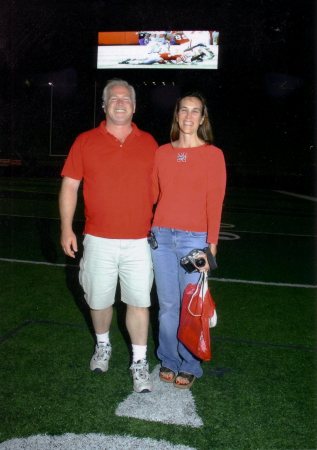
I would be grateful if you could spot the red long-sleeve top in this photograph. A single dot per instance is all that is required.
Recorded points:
(189, 186)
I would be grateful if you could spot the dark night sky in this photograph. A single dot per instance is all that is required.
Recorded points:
(261, 99)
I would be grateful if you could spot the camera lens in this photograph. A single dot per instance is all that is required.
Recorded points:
(200, 262)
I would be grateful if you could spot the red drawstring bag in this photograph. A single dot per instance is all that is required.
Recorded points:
(198, 314)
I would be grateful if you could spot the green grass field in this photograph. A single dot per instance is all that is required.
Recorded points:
(259, 390)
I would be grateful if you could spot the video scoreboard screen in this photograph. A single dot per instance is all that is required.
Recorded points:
(158, 49)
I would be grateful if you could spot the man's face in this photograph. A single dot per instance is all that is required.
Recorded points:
(120, 107)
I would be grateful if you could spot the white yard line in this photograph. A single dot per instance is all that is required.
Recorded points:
(222, 280)
(265, 283)
(223, 229)
(39, 263)
(274, 233)
(22, 216)
(96, 441)
(293, 194)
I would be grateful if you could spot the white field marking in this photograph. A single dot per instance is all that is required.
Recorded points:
(227, 225)
(164, 404)
(264, 283)
(71, 441)
(40, 263)
(270, 233)
(223, 280)
(222, 227)
(225, 236)
(292, 194)
(276, 234)
(22, 216)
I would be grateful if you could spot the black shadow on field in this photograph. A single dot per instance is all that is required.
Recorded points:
(154, 317)
(47, 244)
(72, 283)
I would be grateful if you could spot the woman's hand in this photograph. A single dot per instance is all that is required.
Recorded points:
(213, 249)
(202, 255)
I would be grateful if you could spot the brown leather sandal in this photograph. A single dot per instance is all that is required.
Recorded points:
(167, 375)
(184, 376)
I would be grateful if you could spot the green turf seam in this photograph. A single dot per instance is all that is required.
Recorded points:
(26, 323)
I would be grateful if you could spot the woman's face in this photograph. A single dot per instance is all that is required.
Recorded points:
(189, 116)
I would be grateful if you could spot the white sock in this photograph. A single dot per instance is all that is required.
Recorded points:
(139, 352)
(103, 339)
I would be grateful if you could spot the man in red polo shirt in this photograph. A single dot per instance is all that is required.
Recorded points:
(115, 162)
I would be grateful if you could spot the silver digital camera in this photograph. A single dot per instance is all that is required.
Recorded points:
(197, 259)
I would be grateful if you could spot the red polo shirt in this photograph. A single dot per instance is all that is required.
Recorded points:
(116, 181)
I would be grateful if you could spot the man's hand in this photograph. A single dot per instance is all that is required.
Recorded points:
(69, 243)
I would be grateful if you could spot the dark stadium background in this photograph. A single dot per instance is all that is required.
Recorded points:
(261, 99)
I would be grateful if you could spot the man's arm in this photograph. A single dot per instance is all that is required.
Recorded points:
(67, 206)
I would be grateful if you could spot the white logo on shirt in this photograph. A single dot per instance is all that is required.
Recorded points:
(181, 157)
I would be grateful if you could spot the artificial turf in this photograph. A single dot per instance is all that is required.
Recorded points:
(259, 390)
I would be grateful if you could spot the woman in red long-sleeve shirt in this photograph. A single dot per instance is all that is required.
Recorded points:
(189, 182)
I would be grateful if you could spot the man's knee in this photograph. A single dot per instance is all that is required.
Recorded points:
(138, 310)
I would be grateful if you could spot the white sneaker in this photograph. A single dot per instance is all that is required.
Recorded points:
(141, 377)
(100, 359)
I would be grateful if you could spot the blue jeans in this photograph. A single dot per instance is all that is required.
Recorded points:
(171, 280)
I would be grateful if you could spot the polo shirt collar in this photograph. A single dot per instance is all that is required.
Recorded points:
(135, 129)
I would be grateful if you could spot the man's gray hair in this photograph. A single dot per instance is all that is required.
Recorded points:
(116, 82)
